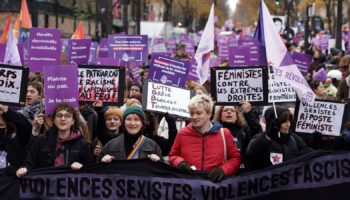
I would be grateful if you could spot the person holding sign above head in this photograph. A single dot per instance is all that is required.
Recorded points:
(62, 145)
(132, 144)
(203, 145)
(277, 144)
(242, 124)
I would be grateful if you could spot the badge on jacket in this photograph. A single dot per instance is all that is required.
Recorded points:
(276, 158)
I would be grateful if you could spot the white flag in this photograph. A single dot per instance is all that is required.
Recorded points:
(12, 55)
(277, 55)
(206, 45)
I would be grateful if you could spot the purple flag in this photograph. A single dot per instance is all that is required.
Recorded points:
(78, 51)
(128, 48)
(60, 86)
(169, 71)
(44, 48)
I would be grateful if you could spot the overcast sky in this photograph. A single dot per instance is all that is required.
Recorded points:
(232, 4)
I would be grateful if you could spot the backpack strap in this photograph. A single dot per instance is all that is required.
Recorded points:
(224, 142)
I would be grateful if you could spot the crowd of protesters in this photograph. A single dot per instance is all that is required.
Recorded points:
(217, 140)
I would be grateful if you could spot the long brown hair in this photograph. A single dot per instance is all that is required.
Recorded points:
(240, 118)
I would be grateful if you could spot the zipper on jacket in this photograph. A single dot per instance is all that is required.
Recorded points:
(202, 152)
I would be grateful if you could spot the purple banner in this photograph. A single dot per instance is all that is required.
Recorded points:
(2, 52)
(108, 61)
(303, 62)
(103, 50)
(93, 53)
(154, 55)
(223, 47)
(192, 75)
(61, 85)
(128, 48)
(78, 51)
(189, 47)
(44, 48)
(169, 71)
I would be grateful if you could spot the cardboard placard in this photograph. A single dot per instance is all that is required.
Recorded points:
(101, 83)
(165, 99)
(13, 85)
(233, 85)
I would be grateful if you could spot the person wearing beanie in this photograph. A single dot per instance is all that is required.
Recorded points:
(277, 144)
(132, 144)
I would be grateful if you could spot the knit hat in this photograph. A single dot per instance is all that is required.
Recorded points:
(320, 75)
(270, 114)
(134, 110)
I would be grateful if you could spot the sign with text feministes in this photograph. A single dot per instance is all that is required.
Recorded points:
(233, 85)
(325, 117)
(165, 99)
(44, 48)
(13, 84)
(169, 71)
(280, 91)
(128, 48)
(101, 83)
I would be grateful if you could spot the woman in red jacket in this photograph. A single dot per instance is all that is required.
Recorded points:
(203, 145)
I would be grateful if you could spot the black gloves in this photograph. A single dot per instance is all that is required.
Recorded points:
(274, 128)
(183, 166)
(216, 175)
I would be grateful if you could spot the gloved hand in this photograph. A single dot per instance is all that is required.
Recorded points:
(216, 175)
(185, 167)
(274, 128)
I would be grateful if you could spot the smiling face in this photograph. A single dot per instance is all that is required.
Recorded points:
(133, 124)
(32, 95)
(113, 123)
(64, 120)
(229, 114)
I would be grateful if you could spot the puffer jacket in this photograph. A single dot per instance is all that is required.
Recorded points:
(205, 151)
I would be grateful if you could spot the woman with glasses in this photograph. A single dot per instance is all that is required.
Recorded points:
(241, 122)
(62, 145)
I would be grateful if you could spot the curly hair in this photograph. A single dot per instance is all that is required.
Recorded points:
(70, 109)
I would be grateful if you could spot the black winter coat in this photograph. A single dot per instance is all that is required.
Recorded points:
(43, 151)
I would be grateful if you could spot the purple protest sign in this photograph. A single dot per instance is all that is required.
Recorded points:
(183, 36)
(154, 55)
(78, 51)
(158, 45)
(171, 45)
(170, 71)
(93, 53)
(103, 48)
(128, 48)
(189, 47)
(192, 75)
(223, 47)
(2, 52)
(44, 48)
(323, 42)
(61, 85)
(108, 61)
(302, 61)
(242, 56)
(135, 71)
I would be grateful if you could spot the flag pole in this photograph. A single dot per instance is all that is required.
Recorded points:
(273, 101)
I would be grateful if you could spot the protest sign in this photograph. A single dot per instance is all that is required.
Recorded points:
(44, 48)
(189, 47)
(317, 175)
(78, 51)
(325, 117)
(108, 61)
(169, 71)
(171, 45)
(280, 91)
(101, 83)
(13, 84)
(128, 48)
(303, 62)
(233, 85)
(103, 48)
(246, 53)
(158, 45)
(192, 74)
(157, 54)
(60, 86)
(165, 99)
(93, 53)
(223, 47)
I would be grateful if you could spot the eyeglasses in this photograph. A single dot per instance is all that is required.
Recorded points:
(66, 116)
(229, 109)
